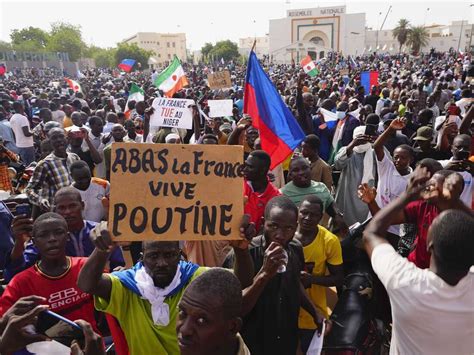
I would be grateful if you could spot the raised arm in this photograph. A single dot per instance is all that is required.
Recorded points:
(467, 121)
(376, 230)
(91, 278)
(397, 124)
(96, 158)
(235, 134)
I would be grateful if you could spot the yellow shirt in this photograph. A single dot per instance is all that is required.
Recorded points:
(67, 122)
(134, 316)
(324, 249)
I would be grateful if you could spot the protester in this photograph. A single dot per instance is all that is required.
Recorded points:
(320, 170)
(52, 172)
(424, 301)
(322, 254)
(301, 185)
(151, 291)
(52, 280)
(272, 301)
(92, 191)
(67, 203)
(357, 164)
(215, 298)
(258, 190)
(23, 134)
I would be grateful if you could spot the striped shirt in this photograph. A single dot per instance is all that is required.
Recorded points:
(51, 174)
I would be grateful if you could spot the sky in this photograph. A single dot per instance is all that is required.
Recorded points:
(105, 23)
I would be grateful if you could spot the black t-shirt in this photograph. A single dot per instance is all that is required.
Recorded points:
(272, 325)
(371, 100)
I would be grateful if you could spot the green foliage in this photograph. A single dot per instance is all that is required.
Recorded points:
(222, 49)
(417, 38)
(104, 57)
(132, 51)
(5, 46)
(66, 38)
(29, 39)
(206, 49)
(401, 32)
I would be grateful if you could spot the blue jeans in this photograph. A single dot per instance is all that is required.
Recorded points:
(27, 155)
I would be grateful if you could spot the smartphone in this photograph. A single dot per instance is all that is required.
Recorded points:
(463, 155)
(23, 209)
(371, 130)
(58, 328)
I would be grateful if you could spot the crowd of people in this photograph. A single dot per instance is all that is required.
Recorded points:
(400, 154)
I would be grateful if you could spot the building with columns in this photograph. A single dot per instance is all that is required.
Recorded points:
(316, 31)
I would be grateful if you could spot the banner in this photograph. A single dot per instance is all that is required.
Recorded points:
(219, 80)
(220, 108)
(172, 113)
(175, 192)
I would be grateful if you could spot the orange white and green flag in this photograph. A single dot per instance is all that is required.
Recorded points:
(308, 66)
(172, 79)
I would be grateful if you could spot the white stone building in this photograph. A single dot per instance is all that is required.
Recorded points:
(316, 31)
(164, 45)
(456, 35)
(261, 47)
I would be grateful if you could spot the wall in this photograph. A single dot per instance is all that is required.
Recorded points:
(162, 45)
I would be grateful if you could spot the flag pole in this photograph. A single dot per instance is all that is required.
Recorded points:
(254, 45)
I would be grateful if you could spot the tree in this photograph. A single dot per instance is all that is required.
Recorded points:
(66, 38)
(132, 51)
(103, 57)
(401, 32)
(417, 38)
(225, 49)
(5, 46)
(31, 38)
(206, 49)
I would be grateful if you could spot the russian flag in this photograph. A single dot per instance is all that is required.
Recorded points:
(369, 79)
(280, 133)
(127, 64)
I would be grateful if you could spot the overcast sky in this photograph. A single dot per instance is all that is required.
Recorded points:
(104, 23)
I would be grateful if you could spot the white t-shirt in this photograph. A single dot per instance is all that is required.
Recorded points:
(390, 185)
(439, 120)
(58, 116)
(18, 121)
(466, 195)
(92, 197)
(429, 316)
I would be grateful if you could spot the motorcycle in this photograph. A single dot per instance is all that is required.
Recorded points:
(356, 329)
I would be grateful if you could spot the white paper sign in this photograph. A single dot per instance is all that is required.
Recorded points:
(317, 342)
(172, 113)
(220, 108)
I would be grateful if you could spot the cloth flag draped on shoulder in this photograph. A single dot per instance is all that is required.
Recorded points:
(280, 133)
(308, 66)
(172, 79)
(136, 94)
(74, 85)
(127, 64)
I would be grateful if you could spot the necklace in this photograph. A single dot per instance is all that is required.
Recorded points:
(43, 273)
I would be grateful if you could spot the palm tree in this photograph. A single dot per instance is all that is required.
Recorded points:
(417, 38)
(401, 32)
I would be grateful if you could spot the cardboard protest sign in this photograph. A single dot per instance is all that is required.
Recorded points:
(220, 108)
(343, 72)
(219, 80)
(175, 192)
(172, 113)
